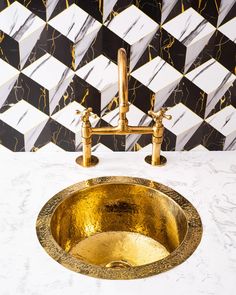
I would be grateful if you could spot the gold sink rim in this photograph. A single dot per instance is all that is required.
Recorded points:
(179, 255)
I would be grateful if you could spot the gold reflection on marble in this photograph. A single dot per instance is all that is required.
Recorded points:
(119, 228)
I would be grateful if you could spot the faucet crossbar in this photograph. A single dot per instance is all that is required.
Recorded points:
(123, 128)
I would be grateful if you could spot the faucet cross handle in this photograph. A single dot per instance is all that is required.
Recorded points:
(86, 114)
(160, 115)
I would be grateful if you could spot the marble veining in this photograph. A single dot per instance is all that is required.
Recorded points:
(225, 6)
(18, 22)
(48, 71)
(183, 125)
(182, 118)
(166, 41)
(24, 28)
(206, 179)
(8, 77)
(224, 121)
(228, 29)
(189, 27)
(107, 8)
(69, 117)
(136, 29)
(157, 74)
(27, 120)
(203, 75)
(23, 116)
(78, 23)
(50, 6)
(132, 25)
(167, 6)
(101, 73)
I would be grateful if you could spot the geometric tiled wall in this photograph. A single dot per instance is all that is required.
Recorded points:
(57, 57)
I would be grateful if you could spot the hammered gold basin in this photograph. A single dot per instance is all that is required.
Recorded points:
(119, 228)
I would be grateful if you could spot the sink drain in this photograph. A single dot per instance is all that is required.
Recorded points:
(119, 228)
(118, 264)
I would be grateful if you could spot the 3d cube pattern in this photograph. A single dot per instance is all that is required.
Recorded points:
(59, 57)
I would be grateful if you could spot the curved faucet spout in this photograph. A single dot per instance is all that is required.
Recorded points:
(123, 128)
(123, 87)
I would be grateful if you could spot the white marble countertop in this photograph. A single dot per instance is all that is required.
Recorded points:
(28, 180)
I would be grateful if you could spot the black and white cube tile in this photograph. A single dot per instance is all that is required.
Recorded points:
(59, 57)
(46, 80)
(76, 35)
(66, 127)
(96, 83)
(20, 29)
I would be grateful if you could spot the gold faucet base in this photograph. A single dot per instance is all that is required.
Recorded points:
(94, 161)
(163, 160)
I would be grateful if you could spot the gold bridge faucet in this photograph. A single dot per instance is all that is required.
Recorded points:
(123, 128)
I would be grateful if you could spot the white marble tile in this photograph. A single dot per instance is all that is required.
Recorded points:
(214, 79)
(138, 49)
(102, 74)
(193, 51)
(167, 6)
(27, 120)
(23, 26)
(50, 6)
(23, 116)
(8, 77)
(132, 25)
(69, 118)
(192, 30)
(224, 8)
(199, 148)
(74, 23)
(206, 179)
(82, 46)
(3, 149)
(160, 77)
(19, 22)
(100, 148)
(189, 27)
(228, 29)
(210, 76)
(182, 119)
(146, 149)
(49, 148)
(50, 73)
(136, 28)
(79, 27)
(27, 44)
(230, 142)
(224, 121)
(107, 8)
(156, 74)
(183, 124)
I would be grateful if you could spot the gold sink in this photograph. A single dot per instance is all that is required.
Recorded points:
(119, 228)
